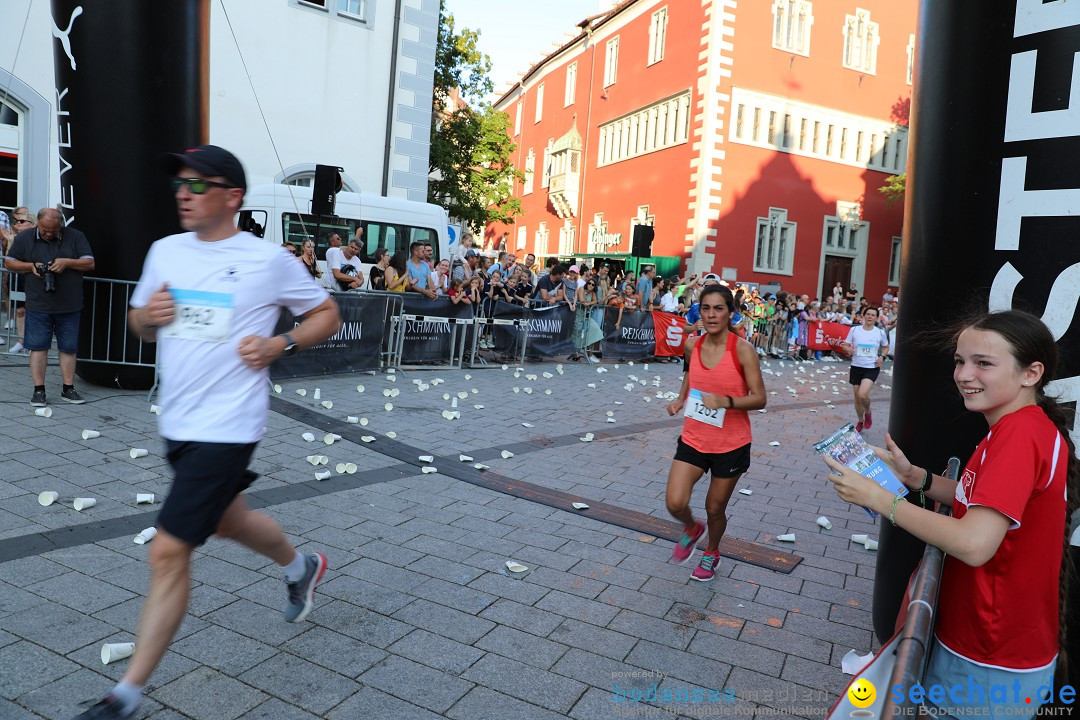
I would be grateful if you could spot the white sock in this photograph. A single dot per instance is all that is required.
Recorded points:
(128, 693)
(294, 571)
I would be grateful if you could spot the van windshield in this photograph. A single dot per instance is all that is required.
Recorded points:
(372, 235)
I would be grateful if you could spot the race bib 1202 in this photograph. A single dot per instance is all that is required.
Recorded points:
(203, 316)
(695, 410)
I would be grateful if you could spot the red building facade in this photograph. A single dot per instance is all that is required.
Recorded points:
(752, 135)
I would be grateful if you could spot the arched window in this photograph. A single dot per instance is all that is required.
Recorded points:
(860, 42)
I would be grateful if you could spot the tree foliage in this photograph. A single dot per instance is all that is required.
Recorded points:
(894, 188)
(472, 175)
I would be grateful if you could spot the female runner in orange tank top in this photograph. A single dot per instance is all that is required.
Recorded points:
(722, 384)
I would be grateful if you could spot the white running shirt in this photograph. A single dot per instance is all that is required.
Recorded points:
(865, 344)
(231, 288)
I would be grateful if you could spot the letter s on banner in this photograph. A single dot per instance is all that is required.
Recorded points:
(674, 334)
(1060, 305)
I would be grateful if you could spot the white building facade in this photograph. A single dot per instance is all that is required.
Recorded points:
(292, 83)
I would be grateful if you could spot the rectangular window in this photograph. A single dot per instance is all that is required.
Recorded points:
(858, 146)
(545, 169)
(802, 133)
(860, 42)
(894, 261)
(657, 35)
(571, 84)
(757, 124)
(521, 235)
(530, 163)
(828, 140)
(791, 25)
(656, 127)
(910, 58)
(517, 117)
(739, 112)
(353, 8)
(843, 143)
(817, 134)
(321, 4)
(775, 243)
(771, 139)
(539, 103)
(297, 228)
(611, 61)
(786, 140)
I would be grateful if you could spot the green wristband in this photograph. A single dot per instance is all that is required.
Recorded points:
(892, 510)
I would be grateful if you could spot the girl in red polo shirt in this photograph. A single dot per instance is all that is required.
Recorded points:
(1004, 579)
(722, 383)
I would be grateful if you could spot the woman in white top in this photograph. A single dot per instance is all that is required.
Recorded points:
(668, 302)
(868, 345)
(440, 278)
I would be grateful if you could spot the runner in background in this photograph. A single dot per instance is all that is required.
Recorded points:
(723, 383)
(868, 345)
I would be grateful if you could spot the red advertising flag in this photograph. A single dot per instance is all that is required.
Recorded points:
(827, 335)
(668, 329)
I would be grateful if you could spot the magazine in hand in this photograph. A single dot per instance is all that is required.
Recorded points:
(847, 447)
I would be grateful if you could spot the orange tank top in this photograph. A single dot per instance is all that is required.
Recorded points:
(726, 378)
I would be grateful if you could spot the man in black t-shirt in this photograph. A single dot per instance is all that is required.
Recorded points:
(550, 287)
(54, 259)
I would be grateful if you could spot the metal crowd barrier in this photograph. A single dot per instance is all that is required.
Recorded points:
(914, 646)
(456, 354)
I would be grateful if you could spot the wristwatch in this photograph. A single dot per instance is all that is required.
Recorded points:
(290, 346)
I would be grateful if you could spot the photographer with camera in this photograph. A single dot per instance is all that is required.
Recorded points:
(55, 258)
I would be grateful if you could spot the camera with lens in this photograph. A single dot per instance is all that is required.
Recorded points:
(47, 276)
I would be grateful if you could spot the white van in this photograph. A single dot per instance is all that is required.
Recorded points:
(282, 214)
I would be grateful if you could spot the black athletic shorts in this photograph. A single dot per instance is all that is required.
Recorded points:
(209, 476)
(728, 464)
(859, 374)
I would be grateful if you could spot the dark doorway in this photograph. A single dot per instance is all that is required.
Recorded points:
(837, 270)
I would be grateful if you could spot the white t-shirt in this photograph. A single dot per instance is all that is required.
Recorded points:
(208, 394)
(669, 303)
(335, 258)
(865, 344)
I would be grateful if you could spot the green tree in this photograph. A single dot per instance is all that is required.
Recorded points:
(894, 188)
(469, 162)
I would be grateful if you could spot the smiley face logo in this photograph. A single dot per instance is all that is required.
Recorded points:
(862, 693)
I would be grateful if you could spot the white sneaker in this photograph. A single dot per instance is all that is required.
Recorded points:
(3, 341)
(17, 349)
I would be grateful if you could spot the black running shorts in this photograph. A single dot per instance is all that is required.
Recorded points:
(722, 465)
(209, 476)
(859, 374)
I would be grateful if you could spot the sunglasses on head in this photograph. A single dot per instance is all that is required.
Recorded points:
(197, 186)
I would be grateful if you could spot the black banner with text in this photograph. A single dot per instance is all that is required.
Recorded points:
(633, 338)
(356, 346)
(428, 341)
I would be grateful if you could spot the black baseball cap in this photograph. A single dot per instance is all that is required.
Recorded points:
(208, 160)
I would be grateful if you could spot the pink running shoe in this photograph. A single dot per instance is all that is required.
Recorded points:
(706, 570)
(684, 549)
(859, 427)
(869, 420)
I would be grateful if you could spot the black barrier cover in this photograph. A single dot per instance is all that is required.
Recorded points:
(356, 346)
(634, 338)
(993, 185)
(427, 342)
(551, 331)
(131, 79)
(508, 338)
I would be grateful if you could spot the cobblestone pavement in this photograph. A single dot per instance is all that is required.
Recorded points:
(418, 616)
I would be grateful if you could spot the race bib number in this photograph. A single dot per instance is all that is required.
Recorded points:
(695, 410)
(866, 350)
(203, 316)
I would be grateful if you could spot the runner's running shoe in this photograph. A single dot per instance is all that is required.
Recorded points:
(111, 708)
(302, 593)
(684, 549)
(869, 420)
(706, 570)
(859, 426)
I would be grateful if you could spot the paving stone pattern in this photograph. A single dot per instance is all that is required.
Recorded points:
(418, 616)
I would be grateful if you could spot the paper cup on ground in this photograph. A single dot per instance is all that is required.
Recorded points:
(309, 437)
(427, 458)
(824, 522)
(155, 409)
(790, 537)
(48, 497)
(111, 652)
(81, 504)
(44, 412)
(340, 468)
(144, 498)
(870, 544)
(861, 539)
(350, 468)
(317, 395)
(90, 434)
(328, 404)
(138, 453)
(322, 475)
(145, 536)
(352, 419)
